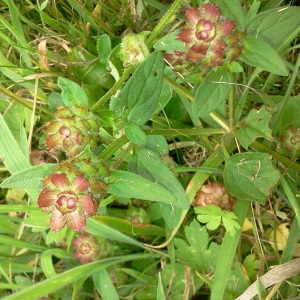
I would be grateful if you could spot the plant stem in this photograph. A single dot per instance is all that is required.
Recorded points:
(183, 91)
(163, 22)
(286, 97)
(288, 163)
(184, 132)
(127, 72)
(23, 101)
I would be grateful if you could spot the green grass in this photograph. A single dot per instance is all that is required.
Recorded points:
(176, 129)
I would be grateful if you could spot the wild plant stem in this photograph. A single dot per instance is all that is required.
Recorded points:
(167, 18)
(127, 72)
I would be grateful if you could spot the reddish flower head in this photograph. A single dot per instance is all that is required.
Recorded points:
(213, 193)
(87, 248)
(208, 39)
(68, 201)
(71, 130)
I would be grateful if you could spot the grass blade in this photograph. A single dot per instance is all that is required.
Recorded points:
(227, 253)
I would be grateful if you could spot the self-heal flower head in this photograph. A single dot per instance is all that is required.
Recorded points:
(210, 40)
(67, 200)
(134, 49)
(213, 193)
(87, 248)
(71, 130)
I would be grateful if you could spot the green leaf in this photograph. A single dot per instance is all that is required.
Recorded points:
(213, 215)
(233, 10)
(212, 92)
(198, 253)
(250, 176)
(277, 27)
(224, 260)
(59, 281)
(103, 48)
(160, 295)
(141, 92)
(229, 222)
(12, 155)
(72, 93)
(30, 178)
(47, 260)
(129, 185)
(259, 54)
(170, 42)
(98, 229)
(127, 227)
(151, 166)
(104, 285)
(251, 265)
(253, 126)
(135, 134)
(291, 113)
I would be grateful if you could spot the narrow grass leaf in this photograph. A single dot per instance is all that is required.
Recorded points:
(11, 154)
(160, 294)
(6, 240)
(227, 253)
(104, 285)
(4, 209)
(291, 197)
(59, 281)
(128, 227)
(47, 260)
(106, 232)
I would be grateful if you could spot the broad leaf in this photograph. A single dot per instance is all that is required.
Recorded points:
(259, 54)
(253, 126)
(141, 93)
(212, 92)
(277, 27)
(135, 134)
(72, 93)
(151, 164)
(250, 176)
(30, 178)
(170, 42)
(104, 48)
(129, 185)
(233, 10)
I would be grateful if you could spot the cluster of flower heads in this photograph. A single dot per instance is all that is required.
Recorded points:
(72, 192)
(209, 39)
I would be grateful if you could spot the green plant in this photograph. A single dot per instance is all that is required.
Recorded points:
(153, 148)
